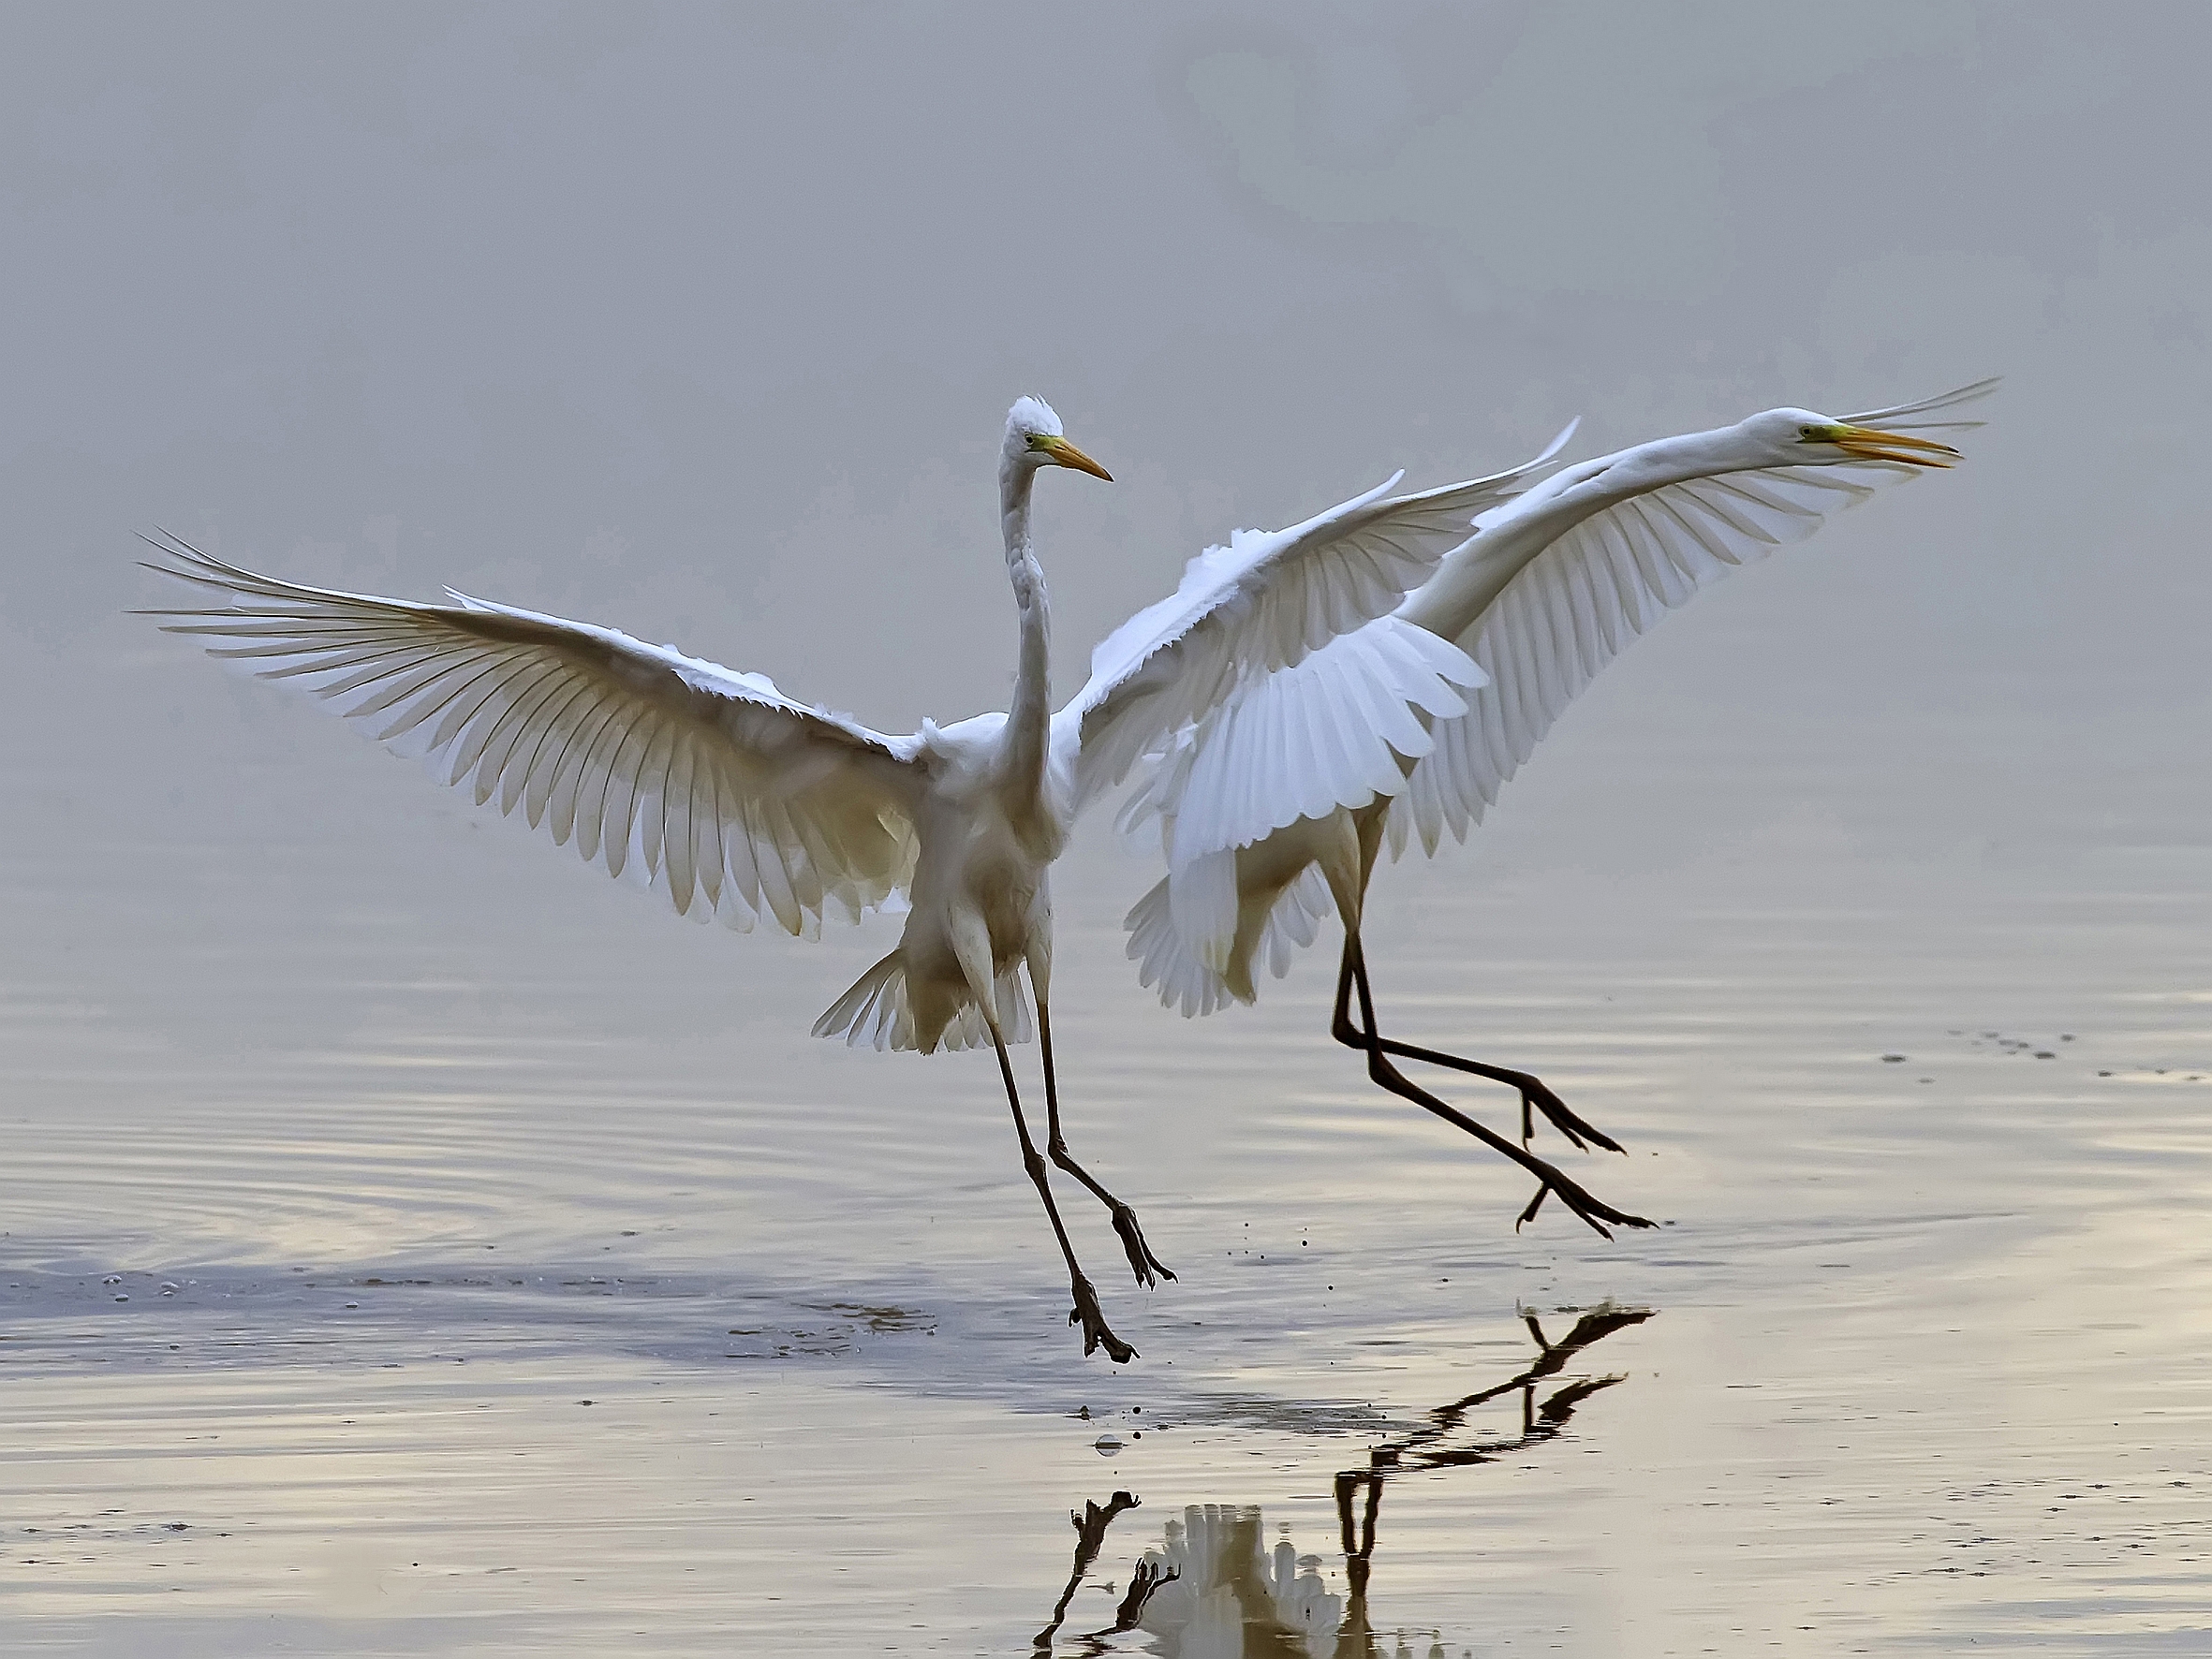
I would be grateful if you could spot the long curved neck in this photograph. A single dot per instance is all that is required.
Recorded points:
(1451, 602)
(1029, 719)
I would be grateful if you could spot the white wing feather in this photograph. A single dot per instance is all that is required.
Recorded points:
(1260, 604)
(1326, 732)
(736, 799)
(1591, 594)
(1164, 956)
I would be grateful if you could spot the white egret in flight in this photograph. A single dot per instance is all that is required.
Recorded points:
(738, 802)
(1255, 802)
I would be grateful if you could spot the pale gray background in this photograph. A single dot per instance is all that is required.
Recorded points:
(701, 322)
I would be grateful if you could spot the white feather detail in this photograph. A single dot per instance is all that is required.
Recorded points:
(1164, 958)
(875, 1013)
(1584, 599)
(1329, 731)
(732, 798)
(1260, 604)
(1202, 898)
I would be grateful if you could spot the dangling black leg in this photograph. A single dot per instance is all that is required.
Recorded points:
(1594, 1211)
(1535, 1093)
(1142, 1261)
(1095, 1333)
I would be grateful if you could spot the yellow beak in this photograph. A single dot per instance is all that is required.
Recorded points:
(1864, 443)
(1067, 454)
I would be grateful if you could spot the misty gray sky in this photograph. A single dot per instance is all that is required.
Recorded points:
(702, 322)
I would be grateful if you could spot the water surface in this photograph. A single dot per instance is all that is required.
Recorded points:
(376, 1283)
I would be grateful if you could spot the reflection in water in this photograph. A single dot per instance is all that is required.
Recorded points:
(1232, 1597)
(1211, 1590)
(1090, 1533)
(1433, 1447)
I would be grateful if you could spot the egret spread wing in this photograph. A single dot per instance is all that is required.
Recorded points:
(736, 799)
(1586, 598)
(1261, 604)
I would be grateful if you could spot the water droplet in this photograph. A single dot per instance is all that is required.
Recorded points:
(1107, 1445)
(113, 1279)
(1893, 1059)
(168, 1287)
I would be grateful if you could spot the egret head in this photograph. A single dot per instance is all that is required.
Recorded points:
(1033, 439)
(1800, 437)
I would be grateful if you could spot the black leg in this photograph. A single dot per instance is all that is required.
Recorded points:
(1594, 1211)
(1142, 1261)
(1533, 1090)
(1095, 1334)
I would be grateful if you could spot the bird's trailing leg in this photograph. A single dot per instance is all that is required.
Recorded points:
(1534, 1092)
(1142, 1261)
(1593, 1211)
(1096, 1332)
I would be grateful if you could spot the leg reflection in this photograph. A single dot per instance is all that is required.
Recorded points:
(1212, 1587)
(1090, 1536)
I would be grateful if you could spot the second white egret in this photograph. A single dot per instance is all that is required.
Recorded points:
(1253, 802)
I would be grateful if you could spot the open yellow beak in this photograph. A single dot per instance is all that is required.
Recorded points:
(1067, 454)
(1863, 443)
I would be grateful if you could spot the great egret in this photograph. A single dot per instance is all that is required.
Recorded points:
(741, 801)
(1254, 802)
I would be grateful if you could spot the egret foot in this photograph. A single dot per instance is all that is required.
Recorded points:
(1593, 1212)
(1536, 1093)
(1142, 1261)
(1096, 1334)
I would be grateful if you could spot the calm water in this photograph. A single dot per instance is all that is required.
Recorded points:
(415, 1245)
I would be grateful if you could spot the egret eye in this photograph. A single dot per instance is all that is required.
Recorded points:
(1808, 433)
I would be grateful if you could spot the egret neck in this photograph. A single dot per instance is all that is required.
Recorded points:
(1029, 716)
